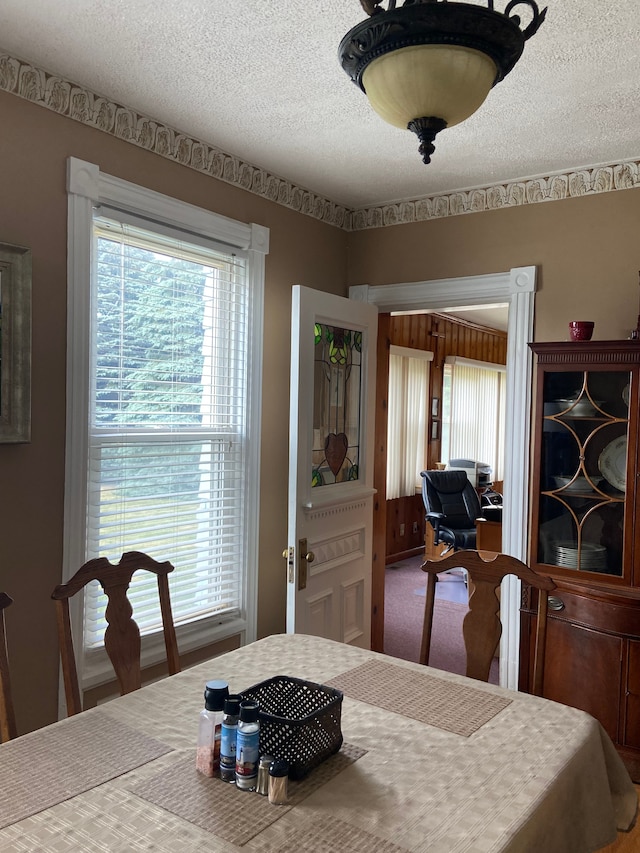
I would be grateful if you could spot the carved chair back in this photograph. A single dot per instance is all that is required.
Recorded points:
(122, 637)
(481, 626)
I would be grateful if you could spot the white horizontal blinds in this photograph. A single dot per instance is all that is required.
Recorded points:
(167, 424)
(501, 438)
(395, 414)
(477, 423)
(407, 419)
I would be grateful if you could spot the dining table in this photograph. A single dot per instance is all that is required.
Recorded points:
(429, 761)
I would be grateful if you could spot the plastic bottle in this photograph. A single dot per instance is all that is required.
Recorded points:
(247, 747)
(231, 713)
(209, 728)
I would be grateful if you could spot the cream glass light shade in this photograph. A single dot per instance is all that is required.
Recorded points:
(431, 80)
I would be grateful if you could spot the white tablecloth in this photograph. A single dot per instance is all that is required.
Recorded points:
(534, 777)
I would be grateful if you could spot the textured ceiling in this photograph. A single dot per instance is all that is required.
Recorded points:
(260, 79)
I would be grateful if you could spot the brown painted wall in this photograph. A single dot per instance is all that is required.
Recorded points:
(586, 251)
(34, 145)
(587, 258)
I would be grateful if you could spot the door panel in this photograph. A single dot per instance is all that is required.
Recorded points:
(632, 697)
(582, 666)
(331, 467)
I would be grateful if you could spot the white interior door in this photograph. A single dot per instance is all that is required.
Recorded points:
(333, 357)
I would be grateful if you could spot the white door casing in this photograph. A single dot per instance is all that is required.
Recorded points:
(329, 594)
(517, 289)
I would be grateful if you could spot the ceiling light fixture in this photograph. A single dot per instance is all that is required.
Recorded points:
(431, 63)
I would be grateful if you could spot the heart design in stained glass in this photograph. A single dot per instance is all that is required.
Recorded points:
(335, 450)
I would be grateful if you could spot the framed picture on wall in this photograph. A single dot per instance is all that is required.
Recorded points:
(435, 430)
(15, 344)
(435, 407)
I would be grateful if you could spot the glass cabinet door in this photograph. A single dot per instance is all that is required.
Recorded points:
(583, 468)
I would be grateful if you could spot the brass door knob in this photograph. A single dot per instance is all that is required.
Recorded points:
(309, 556)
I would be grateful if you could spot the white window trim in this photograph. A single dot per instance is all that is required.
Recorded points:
(87, 187)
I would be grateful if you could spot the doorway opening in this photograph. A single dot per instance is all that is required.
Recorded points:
(451, 407)
(517, 288)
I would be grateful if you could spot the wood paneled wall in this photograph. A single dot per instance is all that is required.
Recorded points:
(405, 528)
(444, 336)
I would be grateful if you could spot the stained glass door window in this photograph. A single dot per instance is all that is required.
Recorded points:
(336, 405)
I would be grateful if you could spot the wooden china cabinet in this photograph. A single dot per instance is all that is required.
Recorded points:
(585, 501)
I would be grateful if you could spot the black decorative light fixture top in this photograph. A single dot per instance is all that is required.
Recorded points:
(430, 64)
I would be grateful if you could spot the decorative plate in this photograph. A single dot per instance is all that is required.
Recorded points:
(625, 394)
(613, 463)
(592, 557)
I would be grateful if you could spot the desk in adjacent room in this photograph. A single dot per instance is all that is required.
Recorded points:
(489, 535)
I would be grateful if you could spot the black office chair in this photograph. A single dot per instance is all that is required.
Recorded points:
(452, 506)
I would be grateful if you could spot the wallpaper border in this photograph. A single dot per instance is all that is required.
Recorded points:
(588, 180)
(80, 104)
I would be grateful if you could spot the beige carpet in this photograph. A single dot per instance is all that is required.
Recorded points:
(404, 611)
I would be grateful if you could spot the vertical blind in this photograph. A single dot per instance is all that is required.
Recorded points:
(166, 467)
(477, 412)
(407, 420)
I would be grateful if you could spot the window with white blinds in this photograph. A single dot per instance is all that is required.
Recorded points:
(407, 419)
(474, 398)
(166, 468)
(164, 378)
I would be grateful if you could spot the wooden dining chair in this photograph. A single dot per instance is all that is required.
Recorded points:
(122, 637)
(481, 626)
(7, 716)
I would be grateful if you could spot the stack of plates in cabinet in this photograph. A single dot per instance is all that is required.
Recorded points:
(593, 557)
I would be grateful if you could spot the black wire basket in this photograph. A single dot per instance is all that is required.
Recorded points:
(299, 721)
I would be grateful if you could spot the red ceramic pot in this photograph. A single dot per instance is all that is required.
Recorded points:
(580, 330)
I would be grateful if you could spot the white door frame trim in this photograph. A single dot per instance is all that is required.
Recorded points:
(516, 288)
